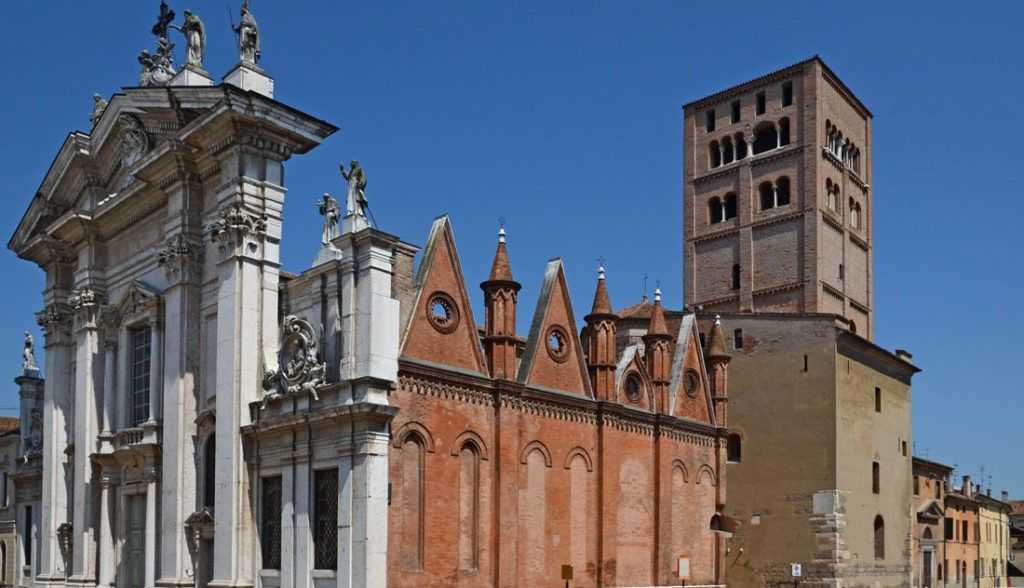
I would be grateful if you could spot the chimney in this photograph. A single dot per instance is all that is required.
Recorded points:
(967, 488)
(1006, 496)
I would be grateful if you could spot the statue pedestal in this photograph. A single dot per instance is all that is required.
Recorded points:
(353, 223)
(252, 79)
(191, 76)
(327, 253)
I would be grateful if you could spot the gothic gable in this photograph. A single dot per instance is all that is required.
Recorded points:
(440, 328)
(554, 356)
(632, 385)
(690, 389)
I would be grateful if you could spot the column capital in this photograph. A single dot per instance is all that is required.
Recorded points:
(238, 232)
(181, 258)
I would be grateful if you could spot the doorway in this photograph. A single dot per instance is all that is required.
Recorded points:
(135, 544)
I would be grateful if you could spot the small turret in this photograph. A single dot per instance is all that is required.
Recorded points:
(501, 293)
(718, 371)
(658, 354)
(600, 342)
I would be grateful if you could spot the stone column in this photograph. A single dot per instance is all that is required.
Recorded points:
(107, 563)
(775, 195)
(369, 509)
(180, 259)
(56, 322)
(87, 304)
(151, 490)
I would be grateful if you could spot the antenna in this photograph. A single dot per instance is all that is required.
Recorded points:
(643, 295)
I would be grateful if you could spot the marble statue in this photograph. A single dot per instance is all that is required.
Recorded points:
(248, 37)
(330, 211)
(28, 355)
(98, 106)
(195, 37)
(356, 202)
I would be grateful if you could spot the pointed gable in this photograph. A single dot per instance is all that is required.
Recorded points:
(633, 387)
(440, 328)
(554, 356)
(690, 388)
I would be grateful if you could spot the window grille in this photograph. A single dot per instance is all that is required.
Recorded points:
(141, 358)
(325, 519)
(270, 523)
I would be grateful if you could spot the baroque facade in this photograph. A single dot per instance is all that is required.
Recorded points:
(208, 419)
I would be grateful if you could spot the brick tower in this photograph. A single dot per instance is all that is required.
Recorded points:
(777, 197)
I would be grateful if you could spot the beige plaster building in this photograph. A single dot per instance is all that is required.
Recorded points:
(820, 473)
(930, 487)
(993, 541)
(9, 446)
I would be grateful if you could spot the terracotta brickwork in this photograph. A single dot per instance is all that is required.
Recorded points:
(777, 198)
(570, 460)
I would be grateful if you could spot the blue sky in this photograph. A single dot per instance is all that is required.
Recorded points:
(564, 119)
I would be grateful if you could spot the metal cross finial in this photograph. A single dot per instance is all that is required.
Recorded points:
(645, 287)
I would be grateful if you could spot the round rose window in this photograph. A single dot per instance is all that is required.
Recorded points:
(442, 312)
(558, 343)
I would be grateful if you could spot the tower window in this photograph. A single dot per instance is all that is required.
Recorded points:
(876, 475)
(841, 274)
(735, 111)
(783, 132)
(879, 537)
(737, 339)
(716, 212)
(714, 155)
(782, 191)
(878, 399)
(709, 120)
(733, 448)
(736, 276)
(730, 206)
(787, 93)
(760, 103)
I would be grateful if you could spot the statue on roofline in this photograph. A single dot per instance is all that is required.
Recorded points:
(194, 32)
(331, 212)
(248, 37)
(355, 202)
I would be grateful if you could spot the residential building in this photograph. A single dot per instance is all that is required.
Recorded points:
(10, 441)
(993, 541)
(1015, 568)
(778, 199)
(930, 486)
(961, 566)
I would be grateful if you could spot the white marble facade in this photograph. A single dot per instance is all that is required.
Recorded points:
(178, 416)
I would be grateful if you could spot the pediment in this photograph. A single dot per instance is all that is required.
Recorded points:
(638, 395)
(931, 510)
(690, 388)
(140, 299)
(440, 328)
(554, 355)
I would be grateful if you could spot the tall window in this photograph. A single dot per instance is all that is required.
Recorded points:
(709, 120)
(210, 472)
(917, 488)
(140, 365)
(735, 111)
(4, 498)
(26, 536)
(413, 463)
(879, 537)
(737, 339)
(325, 519)
(878, 399)
(469, 507)
(760, 98)
(729, 203)
(787, 93)
(736, 276)
(783, 132)
(270, 523)
(714, 154)
(734, 448)
(876, 477)
(716, 213)
(782, 191)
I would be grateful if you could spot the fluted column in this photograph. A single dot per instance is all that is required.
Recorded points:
(109, 386)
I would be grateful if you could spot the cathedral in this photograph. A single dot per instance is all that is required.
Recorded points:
(204, 417)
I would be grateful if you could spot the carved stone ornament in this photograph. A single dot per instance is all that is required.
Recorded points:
(55, 318)
(85, 297)
(235, 224)
(135, 144)
(177, 254)
(64, 537)
(299, 370)
(196, 525)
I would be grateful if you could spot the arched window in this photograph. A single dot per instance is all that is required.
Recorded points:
(413, 465)
(783, 132)
(715, 211)
(469, 507)
(714, 155)
(729, 206)
(741, 146)
(782, 191)
(766, 138)
(828, 134)
(927, 533)
(210, 472)
(830, 201)
(879, 537)
(736, 276)
(734, 448)
(716, 522)
(728, 156)
(767, 193)
(938, 572)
